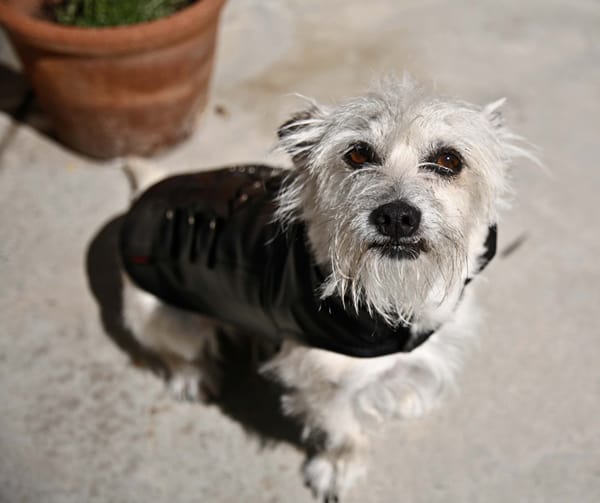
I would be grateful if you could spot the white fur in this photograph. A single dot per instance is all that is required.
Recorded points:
(340, 398)
(185, 341)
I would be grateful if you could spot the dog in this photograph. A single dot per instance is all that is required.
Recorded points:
(356, 263)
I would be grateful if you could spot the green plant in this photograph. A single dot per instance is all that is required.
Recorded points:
(98, 13)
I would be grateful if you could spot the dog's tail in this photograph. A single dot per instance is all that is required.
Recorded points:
(142, 174)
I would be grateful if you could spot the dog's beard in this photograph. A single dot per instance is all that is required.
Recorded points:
(395, 288)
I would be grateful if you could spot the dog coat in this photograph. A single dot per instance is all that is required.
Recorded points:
(208, 243)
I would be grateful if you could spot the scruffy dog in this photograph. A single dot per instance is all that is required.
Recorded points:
(357, 261)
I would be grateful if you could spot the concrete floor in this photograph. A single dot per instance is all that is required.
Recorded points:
(80, 423)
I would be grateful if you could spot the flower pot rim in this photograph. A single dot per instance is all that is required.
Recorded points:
(139, 37)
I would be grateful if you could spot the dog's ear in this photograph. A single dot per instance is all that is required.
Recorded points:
(301, 133)
(492, 112)
(297, 121)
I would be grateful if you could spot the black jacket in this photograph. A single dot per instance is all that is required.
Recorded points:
(207, 242)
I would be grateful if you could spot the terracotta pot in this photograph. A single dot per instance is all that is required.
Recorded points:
(123, 90)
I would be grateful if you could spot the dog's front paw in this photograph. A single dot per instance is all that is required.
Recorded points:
(319, 477)
(329, 479)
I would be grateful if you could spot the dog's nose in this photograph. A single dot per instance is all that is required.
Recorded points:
(396, 219)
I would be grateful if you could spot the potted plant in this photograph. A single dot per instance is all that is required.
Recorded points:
(116, 90)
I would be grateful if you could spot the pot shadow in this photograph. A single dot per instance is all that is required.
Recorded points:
(245, 396)
(18, 101)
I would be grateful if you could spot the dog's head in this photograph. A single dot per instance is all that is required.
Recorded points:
(397, 189)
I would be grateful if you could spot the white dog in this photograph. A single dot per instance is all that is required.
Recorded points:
(361, 273)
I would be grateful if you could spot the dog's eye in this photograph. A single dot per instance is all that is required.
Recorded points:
(448, 160)
(360, 155)
(445, 162)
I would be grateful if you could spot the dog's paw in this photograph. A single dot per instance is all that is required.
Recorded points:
(185, 388)
(329, 480)
(319, 477)
(186, 384)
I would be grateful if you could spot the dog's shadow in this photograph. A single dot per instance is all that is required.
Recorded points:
(245, 396)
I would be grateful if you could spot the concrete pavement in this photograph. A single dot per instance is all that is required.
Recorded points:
(79, 422)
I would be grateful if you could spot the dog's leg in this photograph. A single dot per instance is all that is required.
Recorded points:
(322, 392)
(340, 400)
(185, 342)
(415, 383)
(342, 449)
